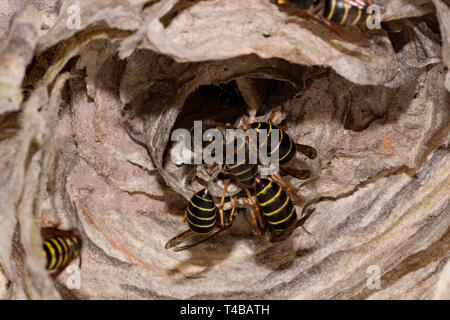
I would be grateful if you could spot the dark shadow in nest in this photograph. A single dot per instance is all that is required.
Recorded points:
(354, 105)
(10, 125)
(273, 93)
(359, 117)
(222, 103)
(204, 256)
(281, 256)
(213, 251)
(400, 33)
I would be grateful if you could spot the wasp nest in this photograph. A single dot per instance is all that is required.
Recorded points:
(91, 92)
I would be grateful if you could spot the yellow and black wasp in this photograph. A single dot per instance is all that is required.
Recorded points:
(335, 13)
(286, 147)
(278, 209)
(204, 221)
(274, 210)
(60, 247)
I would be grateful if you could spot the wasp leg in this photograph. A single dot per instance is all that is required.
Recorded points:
(254, 222)
(225, 171)
(261, 223)
(308, 151)
(288, 189)
(299, 174)
(233, 211)
(211, 168)
(272, 123)
(272, 115)
(222, 200)
(302, 221)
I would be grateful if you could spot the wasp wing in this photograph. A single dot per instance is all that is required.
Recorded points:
(190, 235)
(180, 239)
(299, 174)
(205, 238)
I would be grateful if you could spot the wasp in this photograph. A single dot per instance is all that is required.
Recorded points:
(279, 216)
(204, 220)
(286, 147)
(284, 150)
(335, 13)
(278, 209)
(60, 248)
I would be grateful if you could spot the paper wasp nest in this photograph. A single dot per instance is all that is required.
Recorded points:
(90, 93)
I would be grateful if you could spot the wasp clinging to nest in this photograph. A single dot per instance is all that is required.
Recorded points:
(203, 219)
(336, 13)
(60, 247)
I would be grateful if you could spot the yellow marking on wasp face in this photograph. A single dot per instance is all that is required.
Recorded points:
(278, 210)
(347, 7)
(287, 153)
(357, 17)
(75, 240)
(333, 6)
(203, 209)
(203, 198)
(279, 142)
(272, 199)
(285, 219)
(66, 251)
(263, 191)
(281, 1)
(60, 252)
(208, 226)
(52, 255)
(190, 212)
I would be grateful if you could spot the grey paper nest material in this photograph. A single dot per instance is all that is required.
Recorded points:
(85, 121)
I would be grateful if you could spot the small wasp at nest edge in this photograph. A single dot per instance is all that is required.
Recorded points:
(60, 248)
(336, 13)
